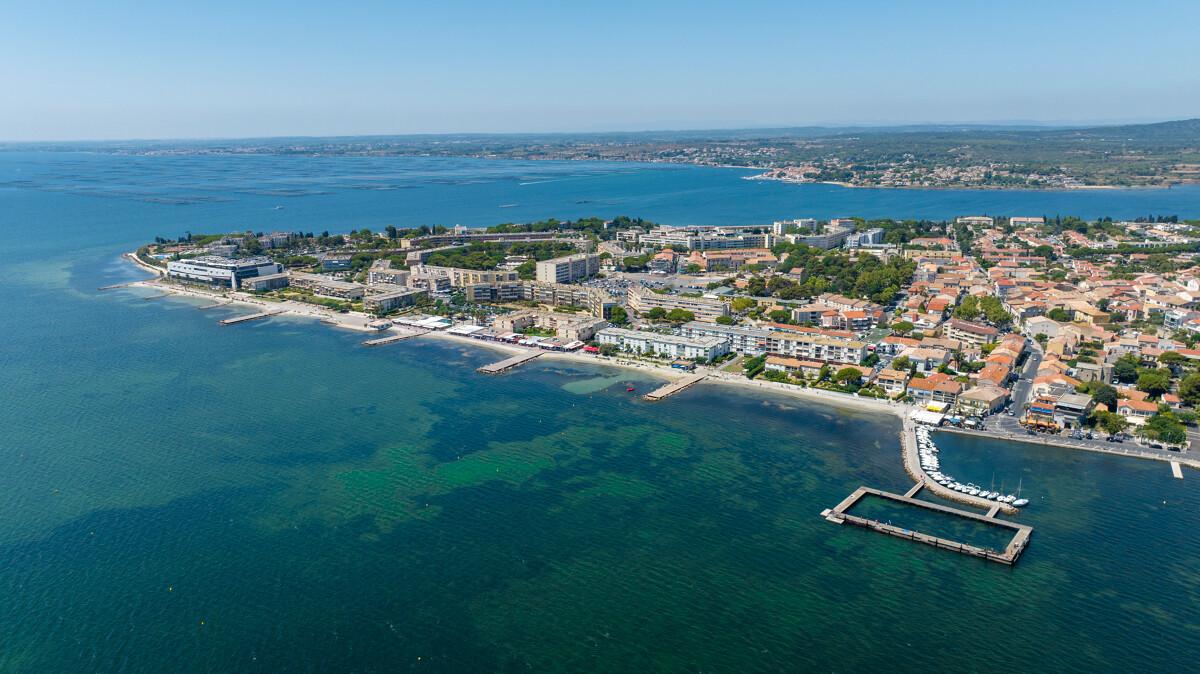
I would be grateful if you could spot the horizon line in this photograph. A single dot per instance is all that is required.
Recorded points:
(833, 126)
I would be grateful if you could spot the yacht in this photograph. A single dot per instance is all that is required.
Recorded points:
(1021, 502)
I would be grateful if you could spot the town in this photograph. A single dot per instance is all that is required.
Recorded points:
(1075, 332)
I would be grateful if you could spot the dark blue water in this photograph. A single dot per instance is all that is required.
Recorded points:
(178, 496)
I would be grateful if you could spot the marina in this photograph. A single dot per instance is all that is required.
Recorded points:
(839, 514)
(671, 388)
(921, 464)
(247, 317)
(509, 363)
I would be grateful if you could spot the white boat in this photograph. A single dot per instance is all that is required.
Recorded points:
(1021, 502)
(991, 496)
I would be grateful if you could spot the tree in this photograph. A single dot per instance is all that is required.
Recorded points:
(849, 376)
(902, 327)
(725, 320)
(903, 363)
(742, 303)
(968, 309)
(618, 316)
(656, 313)
(527, 270)
(392, 232)
(1104, 394)
(1114, 423)
(691, 268)
(1164, 427)
(1189, 389)
(1154, 382)
(780, 315)
(1059, 314)
(1126, 368)
(680, 316)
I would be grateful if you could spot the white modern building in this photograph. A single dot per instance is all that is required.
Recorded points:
(222, 271)
(672, 346)
(752, 341)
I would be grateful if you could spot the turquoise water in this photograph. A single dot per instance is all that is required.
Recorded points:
(179, 496)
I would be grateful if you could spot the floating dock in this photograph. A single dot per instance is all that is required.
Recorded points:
(509, 363)
(1012, 552)
(390, 339)
(248, 317)
(1176, 470)
(674, 387)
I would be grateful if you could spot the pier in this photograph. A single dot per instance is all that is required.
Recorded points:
(509, 363)
(248, 317)
(390, 339)
(1009, 556)
(214, 305)
(912, 465)
(674, 387)
(1176, 470)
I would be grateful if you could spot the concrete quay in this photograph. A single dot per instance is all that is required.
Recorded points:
(912, 466)
(509, 363)
(248, 317)
(671, 388)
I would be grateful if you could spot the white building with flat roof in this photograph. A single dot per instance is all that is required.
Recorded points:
(671, 346)
(222, 271)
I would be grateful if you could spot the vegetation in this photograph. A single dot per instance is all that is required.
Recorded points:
(489, 255)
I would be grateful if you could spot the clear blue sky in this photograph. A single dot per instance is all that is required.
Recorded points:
(121, 69)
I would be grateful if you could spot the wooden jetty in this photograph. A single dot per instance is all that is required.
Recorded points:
(1009, 556)
(248, 317)
(392, 338)
(509, 363)
(671, 388)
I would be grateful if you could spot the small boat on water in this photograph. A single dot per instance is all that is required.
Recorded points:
(629, 389)
(1021, 502)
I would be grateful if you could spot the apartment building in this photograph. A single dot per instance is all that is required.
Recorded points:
(816, 347)
(391, 300)
(671, 346)
(971, 333)
(642, 300)
(568, 268)
(752, 341)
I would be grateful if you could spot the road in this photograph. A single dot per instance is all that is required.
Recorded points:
(1024, 386)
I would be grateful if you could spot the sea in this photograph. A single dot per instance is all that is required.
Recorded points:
(177, 496)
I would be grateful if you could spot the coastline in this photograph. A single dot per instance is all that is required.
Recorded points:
(358, 321)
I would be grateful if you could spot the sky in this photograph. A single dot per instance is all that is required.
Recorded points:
(127, 70)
